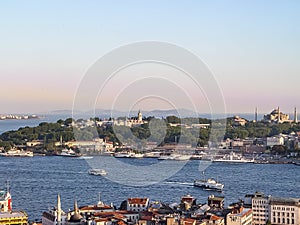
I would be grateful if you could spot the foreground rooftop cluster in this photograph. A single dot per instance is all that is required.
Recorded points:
(255, 209)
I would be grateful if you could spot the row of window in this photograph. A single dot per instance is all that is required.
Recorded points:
(283, 214)
(260, 206)
(137, 205)
(256, 210)
(283, 221)
(259, 202)
(283, 208)
(262, 215)
(262, 219)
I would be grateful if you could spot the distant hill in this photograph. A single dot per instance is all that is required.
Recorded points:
(156, 113)
(107, 113)
(61, 112)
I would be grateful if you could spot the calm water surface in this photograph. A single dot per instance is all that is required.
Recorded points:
(35, 182)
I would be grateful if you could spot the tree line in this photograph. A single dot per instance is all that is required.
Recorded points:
(163, 131)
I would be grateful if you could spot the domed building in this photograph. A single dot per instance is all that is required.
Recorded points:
(276, 117)
(74, 218)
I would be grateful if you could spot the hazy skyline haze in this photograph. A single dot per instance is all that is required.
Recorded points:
(252, 47)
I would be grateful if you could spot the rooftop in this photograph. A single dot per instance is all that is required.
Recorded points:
(142, 201)
(16, 214)
(285, 201)
(242, 213)
(95, 207)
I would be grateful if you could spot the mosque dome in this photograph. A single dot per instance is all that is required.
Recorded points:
(75, 218)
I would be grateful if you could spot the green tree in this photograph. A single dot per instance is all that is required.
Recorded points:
(173, 119)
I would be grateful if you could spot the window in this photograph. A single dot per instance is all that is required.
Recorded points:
(278, 220)
(288, 221)
(292, 214)
(282, 213)
(288, 214)
(293, 221)
(283, 220)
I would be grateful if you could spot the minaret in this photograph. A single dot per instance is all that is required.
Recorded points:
(295, 116)
(99, 200)
(278, 118)
(255, 116)
(76, 207)
(140, 116)
(58, 210)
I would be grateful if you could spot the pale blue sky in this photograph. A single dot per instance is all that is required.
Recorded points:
(252, 47)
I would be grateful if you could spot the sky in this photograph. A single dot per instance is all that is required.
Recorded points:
(47, 48)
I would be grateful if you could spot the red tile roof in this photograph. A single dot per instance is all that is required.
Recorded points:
(188, 221)
(95, 207)
(142, 201)
(214, 217)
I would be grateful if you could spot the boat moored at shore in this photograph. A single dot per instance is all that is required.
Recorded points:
(177, 157)
(17, 153)
(128, 154)
(233, 158)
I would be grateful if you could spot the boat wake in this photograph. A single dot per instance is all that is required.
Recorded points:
(178, 183)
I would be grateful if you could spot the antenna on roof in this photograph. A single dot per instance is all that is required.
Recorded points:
(7, 185)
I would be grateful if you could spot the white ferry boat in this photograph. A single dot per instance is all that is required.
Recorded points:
(233, 158)
(138, 155)
(209, 183)
(177, 157)
(152, 154)
(17, 153)
(128, 154)
(97, 172)
(68, 153)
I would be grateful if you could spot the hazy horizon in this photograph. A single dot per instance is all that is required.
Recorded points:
(69, 111)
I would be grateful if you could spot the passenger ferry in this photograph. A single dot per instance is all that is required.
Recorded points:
(128, 154)
(17, 153)
(177, 157)
(233, 158)
(209, 183)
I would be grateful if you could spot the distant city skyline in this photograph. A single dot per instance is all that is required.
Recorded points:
(251, 47)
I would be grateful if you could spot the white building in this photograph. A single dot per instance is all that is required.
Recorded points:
(239, 216)
(137, 204)
(34, 143)
(276, 140)
(284, 211)
(260, 208)
(238, 121)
